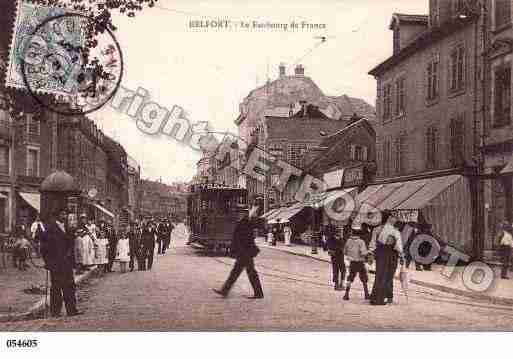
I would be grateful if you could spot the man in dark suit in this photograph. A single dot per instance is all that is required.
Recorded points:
(163, 233)
(133, 244)
(148, 239)
(244, 249)
(335, 245)
(57, 250)
(113, 244)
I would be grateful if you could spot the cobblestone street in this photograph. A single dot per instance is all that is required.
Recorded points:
(177, 295)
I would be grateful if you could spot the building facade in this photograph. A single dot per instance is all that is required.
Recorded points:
(497, 145)
(429, 105)
(161, 200)
(286, 118)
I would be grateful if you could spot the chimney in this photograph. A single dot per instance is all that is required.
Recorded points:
(282, 69)
(299, 70)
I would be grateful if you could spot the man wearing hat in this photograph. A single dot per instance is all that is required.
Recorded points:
(163, 234)
(57, 249)
(244, 249)
(133, 243)
(335, 245)
(148, 237)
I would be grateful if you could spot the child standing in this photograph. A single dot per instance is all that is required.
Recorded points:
(356, 249)
(123, 251)
(22, 249)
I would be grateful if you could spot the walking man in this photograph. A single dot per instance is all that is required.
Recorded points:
(163, 233)
(148, 239)
(57, 244)
(335, 246)
(244, 249)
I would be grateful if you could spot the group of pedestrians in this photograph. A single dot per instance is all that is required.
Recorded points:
(361, 245)
(279, 232)
(65, 250)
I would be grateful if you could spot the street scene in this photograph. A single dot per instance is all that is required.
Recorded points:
(172, 166)
(299, 296)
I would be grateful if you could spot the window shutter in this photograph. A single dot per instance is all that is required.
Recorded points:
(353, 152)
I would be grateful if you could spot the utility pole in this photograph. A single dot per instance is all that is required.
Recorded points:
(477, 184)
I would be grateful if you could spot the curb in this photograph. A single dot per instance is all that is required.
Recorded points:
(439, 287)
(39, 306)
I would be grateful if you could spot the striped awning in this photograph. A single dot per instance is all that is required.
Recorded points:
(405, 198)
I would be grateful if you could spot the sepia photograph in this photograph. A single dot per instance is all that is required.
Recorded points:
(293, 166)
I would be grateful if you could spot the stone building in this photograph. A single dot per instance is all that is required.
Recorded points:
(498, 134)
(429, 107)
(98, 164)
(286, 117)
(160, 200)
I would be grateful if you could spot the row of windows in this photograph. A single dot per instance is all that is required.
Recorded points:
(394, 94)
(32, 161)
(395, 150)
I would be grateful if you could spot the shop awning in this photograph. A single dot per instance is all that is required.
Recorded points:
(33, 199)
(270, 213)
(406, 198)
(431, 190)
(104, 210)
(284, 214)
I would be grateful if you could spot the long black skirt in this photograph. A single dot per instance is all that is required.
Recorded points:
(386, 265)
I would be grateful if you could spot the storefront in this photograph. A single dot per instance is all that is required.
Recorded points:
(443, 202)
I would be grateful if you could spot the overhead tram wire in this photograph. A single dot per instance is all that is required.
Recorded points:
(354, 29)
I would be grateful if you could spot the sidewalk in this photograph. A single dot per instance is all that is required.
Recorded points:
(501, 291)
(16, 304)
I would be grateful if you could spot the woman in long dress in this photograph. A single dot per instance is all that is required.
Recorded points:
(386, 245)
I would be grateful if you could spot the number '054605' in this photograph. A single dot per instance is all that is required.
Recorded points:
(21, 343)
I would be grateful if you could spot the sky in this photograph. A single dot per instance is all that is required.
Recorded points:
(208, 72)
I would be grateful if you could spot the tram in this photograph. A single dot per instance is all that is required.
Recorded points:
(213, 211)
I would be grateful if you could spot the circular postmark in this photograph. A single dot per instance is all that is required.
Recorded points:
(71, 58)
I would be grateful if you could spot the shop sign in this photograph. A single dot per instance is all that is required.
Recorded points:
(353, 176)
(411, 215)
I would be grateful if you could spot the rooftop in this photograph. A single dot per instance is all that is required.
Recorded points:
(427, 38)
